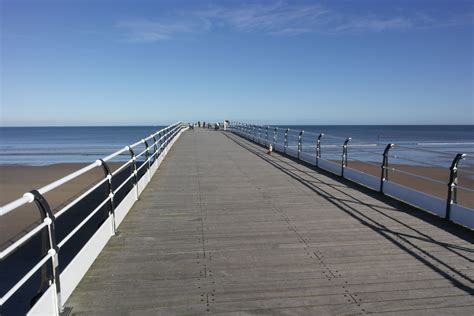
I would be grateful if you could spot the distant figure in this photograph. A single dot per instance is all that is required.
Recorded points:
(199, 123)
(270, 149)
(203, 124)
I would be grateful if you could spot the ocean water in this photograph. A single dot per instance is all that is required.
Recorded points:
(430, 144)
(49, 145)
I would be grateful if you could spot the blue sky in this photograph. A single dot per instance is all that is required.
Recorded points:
(143, 62)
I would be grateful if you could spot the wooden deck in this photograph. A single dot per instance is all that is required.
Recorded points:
(225, 228)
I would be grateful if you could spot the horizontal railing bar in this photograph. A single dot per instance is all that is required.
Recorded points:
(417, 161)
(141, 154)
(122, 167)
(145, 163)
(22, 240)
(464, 188)
(80, 197)
(15, 204)
(356, 150)
(123, 183)
(115, 154)
(425, 150)
(25, 278)
(349, 159)
(65, 239)
(466, 171)
(414, 175)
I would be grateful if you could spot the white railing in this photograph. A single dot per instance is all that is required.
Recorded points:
(58, 285)
(332, 154)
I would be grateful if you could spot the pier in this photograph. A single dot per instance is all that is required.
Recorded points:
(226, 228)
(223, 227)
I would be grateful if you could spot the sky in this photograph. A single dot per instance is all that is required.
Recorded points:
(117, 62)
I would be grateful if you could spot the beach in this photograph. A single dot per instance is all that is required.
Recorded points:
(15, 180)
(400, 175)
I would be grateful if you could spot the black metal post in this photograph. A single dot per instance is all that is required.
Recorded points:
(300, 144)
(452, 185)
(46, 213)
(285, 144)
(108, 175)
(384, 166)
(344, 155)
(275, 137)
(134, 169)
(318, 148)
(266, 137)
(155, 148)
(147, 154)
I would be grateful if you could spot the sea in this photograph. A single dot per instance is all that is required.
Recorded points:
(38, 146)
(432, 144)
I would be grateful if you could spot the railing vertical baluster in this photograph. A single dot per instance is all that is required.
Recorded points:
(108, 175)
(318, 148)
(266, 137)
(134, 170)
(344, 156)
(275, 135)
(155, 148)
(147, 158)
(300, 143)
(285, 144)
(452, 185)
(48, 216)
(384, 166)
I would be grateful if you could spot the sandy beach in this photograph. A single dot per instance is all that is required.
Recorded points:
(399, 175)
(15, 180)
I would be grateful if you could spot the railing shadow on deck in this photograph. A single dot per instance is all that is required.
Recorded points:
(400, 239)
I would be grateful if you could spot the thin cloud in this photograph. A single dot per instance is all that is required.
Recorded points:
(141, 30)
(280, 19)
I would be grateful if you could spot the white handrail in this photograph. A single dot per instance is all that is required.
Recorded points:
(25, 278)
(27, 199)
(170, 132)
(80, 197)
(65, 239)
(24, 238)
